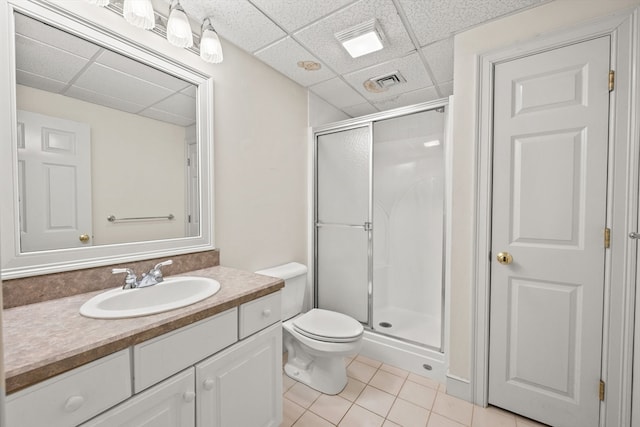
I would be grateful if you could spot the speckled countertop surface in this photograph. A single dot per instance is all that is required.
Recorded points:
(45, 339)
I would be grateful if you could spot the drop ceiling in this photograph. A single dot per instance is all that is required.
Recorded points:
(419, 42)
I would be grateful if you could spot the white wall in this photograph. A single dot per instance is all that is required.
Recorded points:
(322, 113)
(509, 31)
(260, 150)
(122, 175)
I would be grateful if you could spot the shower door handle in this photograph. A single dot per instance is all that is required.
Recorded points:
(368, 226)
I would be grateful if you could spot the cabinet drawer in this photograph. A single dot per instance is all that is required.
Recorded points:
(73, 397)
(161, 357)
(260, 313)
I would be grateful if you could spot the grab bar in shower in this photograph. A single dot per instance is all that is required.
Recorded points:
(112, 218)
(367, 226)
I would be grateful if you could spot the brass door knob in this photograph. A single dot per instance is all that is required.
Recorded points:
(504, 258)
(84, 238)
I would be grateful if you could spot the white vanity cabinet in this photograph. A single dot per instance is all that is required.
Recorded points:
(168, 404)
(242, 386)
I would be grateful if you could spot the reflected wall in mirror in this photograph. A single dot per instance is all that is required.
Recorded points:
(100, 135)
(104, 149)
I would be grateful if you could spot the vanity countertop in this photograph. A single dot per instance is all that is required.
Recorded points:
(45, 339)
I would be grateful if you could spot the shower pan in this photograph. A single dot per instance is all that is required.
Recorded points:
(380, 222)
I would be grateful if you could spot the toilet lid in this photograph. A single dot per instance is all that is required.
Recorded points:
(325, 325)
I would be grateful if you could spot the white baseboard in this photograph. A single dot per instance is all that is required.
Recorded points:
(459, 387)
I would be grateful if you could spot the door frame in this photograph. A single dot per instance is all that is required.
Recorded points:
(622, 207)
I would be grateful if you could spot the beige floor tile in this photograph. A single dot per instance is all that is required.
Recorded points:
(361, 371)
(309, 419)
(454, 408)
(302, 395)
(388, 423)
(492, 417)
(418, 394)
(375, 400)
(526, 422)
(290, 412)
(358, 416)
(352, 389)
(394, 370)
(287, 382)
(425, 381)
(407, 414)
(386, 381)
(331, 408)
(367, 360)
(437, 420)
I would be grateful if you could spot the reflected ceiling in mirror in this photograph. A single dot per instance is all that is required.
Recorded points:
(108, 141)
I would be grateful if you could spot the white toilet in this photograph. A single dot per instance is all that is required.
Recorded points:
(316, 341)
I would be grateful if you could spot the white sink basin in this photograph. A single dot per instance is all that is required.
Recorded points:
(172, 293)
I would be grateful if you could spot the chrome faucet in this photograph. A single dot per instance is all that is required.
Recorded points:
(153, 277)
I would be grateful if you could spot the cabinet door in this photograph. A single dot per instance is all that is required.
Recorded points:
(242, 386)
(168, 404)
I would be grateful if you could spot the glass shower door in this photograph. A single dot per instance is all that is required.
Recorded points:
(343, 221)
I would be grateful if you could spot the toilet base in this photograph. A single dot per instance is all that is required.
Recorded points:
(327, 375)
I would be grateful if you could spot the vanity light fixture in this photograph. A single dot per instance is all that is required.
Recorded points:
(139, 13)
(362, 39)
(178, 27)
(101, 3)
(210, 47)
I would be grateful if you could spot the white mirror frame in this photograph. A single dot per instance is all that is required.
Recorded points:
(16, 264)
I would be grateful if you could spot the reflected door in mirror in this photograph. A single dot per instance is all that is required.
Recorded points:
(54, 164)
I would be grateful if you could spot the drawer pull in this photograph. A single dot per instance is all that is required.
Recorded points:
(73, 403)
(208, 384)
(266, 312)
(188, 396)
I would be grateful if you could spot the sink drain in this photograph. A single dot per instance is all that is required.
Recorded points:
(385, 324)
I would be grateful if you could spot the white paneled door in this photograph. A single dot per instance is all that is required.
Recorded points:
(54, 169)
(548, 225)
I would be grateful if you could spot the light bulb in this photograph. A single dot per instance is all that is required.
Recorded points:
(210, 47)
(139, 13)
(178, 28)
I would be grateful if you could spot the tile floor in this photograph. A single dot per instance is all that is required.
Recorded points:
(379, 395)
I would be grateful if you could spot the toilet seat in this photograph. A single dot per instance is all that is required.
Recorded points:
(328, 326)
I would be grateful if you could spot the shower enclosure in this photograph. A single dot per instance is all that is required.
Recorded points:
(380, 220)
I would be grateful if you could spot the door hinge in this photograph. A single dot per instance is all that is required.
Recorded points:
(188, 161)
(607, 238)
(612, 80)
(601, 390)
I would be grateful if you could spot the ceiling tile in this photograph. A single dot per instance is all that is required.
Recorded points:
(433, 20)
(115, 84)
(102, 99)
(39, 82)
(409, 98)
(410, 67)
(44, 60)
(237, 21)
(178, 104)
(295, 14)
(360, 110)
(439, 56)
(337, 93)
(49, 35)
(284, 56)
(319, 38)
(139, 70)
(164, 116)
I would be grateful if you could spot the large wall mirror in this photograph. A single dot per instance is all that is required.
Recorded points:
(106, 146)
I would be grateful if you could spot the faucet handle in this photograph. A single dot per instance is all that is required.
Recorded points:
(156, 273)
(130, 281)
(162, 264)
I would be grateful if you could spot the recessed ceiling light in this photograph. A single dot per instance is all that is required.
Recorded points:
(362, 39)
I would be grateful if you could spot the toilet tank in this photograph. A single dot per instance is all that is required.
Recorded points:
(295, 283)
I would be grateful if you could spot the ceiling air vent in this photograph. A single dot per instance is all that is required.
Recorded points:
(384, 82)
